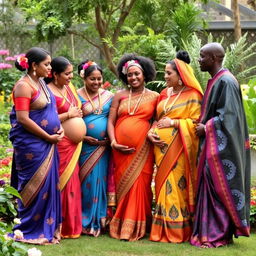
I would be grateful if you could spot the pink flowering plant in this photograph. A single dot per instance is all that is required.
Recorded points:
(253, 207)
(8, 73)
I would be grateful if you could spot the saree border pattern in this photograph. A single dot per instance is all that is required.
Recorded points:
(133, 171)
(88, 165)
(33, 186)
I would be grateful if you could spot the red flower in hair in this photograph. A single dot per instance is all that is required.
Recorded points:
(23, 62)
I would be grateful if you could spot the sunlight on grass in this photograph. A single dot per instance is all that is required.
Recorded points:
(106, 246)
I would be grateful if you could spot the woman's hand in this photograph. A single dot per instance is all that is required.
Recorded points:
(75, 112)
(165, 122)
(155, 139)
(95, 142)
(123, 148)
(54, 138)
(200, 129)
(61, 132)
(104, 142)
(91, 141)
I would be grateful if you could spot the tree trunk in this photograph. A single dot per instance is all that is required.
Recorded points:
(236, 17)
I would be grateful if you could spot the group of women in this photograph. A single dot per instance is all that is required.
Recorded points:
(78, 153)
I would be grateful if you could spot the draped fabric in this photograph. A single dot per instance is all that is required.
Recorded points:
(94, 165)
(223, 192)
(35, 173)
(175, 179)
(70, 187)
(133, 172)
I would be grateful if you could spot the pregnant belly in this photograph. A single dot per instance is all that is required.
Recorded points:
(131, 133)
(74, 129)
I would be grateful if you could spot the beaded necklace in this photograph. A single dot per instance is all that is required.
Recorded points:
(137, 103)
(72, 102)
(43, 86)
(168, 98)
(98, 110)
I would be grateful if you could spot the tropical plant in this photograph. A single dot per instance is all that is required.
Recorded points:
(238, 51)
(237, 55)
(249, 98)
(184, 22)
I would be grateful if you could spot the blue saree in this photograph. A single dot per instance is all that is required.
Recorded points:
(35, 174)
(94, 162)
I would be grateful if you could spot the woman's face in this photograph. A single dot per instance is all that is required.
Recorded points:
(171, 76)
(94, 81)
(43, 68)
(64, 77)
(135, 77)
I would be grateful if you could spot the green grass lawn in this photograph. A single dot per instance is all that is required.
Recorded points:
(106, 246)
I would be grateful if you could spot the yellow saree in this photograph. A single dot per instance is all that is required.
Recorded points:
(175, 180)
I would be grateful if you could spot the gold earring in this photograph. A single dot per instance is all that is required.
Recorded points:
(34, 72)
(128, 86)
(180, 82)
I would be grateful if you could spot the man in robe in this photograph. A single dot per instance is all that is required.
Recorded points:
(223, 190)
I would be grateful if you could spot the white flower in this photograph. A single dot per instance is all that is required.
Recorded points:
(1, 189)
(16, 221)
(245, 97)
(6, 237)
(34, 252)
(245, 87)
(18, 234)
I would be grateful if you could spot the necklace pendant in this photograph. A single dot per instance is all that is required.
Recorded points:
(97, 111)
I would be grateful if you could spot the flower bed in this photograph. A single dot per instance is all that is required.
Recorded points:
(253, 208)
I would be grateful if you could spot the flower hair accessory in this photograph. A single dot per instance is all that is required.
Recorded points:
(85, 66)
(23, 62)
(130, 63)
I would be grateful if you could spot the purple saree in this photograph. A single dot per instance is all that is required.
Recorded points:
(223, 193)
(35, 174)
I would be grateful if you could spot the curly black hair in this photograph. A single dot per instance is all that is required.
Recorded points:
(147, 65)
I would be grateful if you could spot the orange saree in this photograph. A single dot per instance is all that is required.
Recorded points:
(133, 172)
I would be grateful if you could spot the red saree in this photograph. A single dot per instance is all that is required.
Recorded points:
(70, 186)
(133, 172)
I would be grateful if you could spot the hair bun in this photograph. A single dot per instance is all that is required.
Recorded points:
(18, 66)
(183, 55)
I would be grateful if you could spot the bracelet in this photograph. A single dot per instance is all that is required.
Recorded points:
(176, 123)
(112, 143)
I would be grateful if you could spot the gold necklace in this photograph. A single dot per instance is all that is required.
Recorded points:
(43, 86)
(168, 98)
(137, 103)
(98, 110)
(71, 103)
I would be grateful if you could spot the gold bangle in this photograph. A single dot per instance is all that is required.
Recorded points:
(172, 123)
(112, 143)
